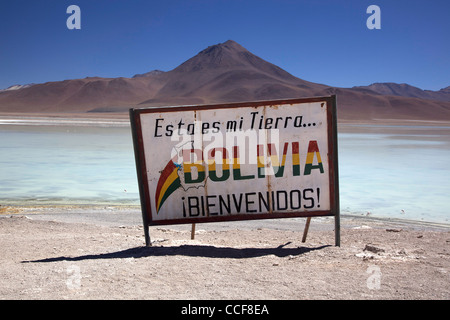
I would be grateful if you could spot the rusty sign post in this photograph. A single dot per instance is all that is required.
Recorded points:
(237, 161)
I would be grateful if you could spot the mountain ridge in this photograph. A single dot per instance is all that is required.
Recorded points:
(221, 73)
(406, 90)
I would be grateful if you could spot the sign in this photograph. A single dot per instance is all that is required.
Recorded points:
(237, 161)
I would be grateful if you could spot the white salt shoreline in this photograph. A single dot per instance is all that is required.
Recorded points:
(121, 119)
(131, 215)
(46, 121)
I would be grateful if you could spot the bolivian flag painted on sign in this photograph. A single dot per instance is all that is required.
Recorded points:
(168, 182)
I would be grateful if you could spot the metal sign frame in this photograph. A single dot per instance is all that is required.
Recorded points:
(332, 156)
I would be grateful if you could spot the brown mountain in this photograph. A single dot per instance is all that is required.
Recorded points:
(406, 90)
(77, 96)
(224, 72)
(364, 105)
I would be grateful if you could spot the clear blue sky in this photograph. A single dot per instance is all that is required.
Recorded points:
(319, 41)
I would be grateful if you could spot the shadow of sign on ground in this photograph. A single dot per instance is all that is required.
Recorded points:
(205, 251)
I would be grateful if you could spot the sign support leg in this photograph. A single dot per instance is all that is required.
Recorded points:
(193, 231)
(305, 232)
(337, 231)
(148, 242)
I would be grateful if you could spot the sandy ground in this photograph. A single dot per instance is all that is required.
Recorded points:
(100, 254)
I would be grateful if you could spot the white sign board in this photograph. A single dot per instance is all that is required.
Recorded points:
(251, 160)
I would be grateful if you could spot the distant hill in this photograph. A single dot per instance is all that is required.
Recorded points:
(226, 72)
(406, 90)
(148, 74)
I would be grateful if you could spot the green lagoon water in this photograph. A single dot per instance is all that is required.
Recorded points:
(385, 171)
(42, 164)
